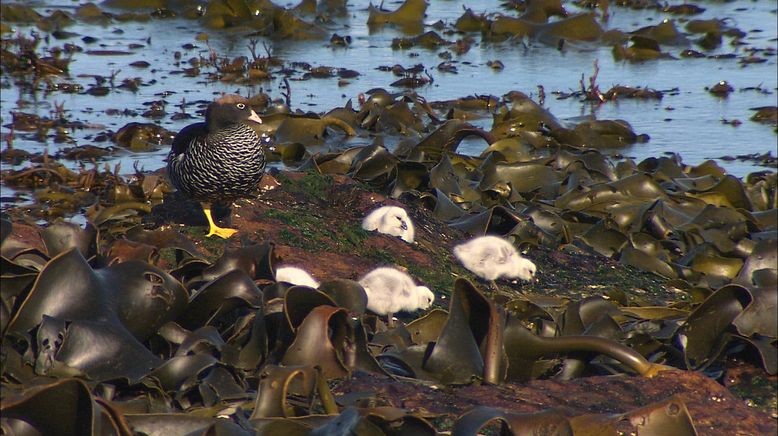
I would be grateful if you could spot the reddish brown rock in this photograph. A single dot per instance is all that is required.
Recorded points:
(714, 409)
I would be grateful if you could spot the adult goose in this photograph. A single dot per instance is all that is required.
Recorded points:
(219, 160)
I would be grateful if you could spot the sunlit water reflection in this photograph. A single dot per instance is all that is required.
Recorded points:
(688, 122)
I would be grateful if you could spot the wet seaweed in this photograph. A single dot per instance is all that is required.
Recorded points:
(646, 268)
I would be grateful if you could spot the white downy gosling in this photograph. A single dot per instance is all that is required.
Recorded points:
(295, 276)
(390, 290)
(390, 220)
(492, 257)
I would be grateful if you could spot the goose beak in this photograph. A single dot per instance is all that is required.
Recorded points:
(255, 117)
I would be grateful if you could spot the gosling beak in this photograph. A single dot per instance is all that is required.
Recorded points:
(255, 117)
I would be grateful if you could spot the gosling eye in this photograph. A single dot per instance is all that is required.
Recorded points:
(240, 106)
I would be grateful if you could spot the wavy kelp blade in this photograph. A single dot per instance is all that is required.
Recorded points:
(444, 178)
(309, 130)
(591, 316)
(445, 209)
(372, 162)
(605, 238)
(411, 176)
(218, 386)
(405, 363)
(321, 340)
(44, 408)
(576, 362)
(62, 236)
(633, 257)
(189, 271)
(280, 426)
(398, 117)
(759, 316)
(347, 294)
(446, 138)
(765, 220)
(104, 351)
(594, 161)
(456, 357)
(349, 422)
(411, 11)
(250, 337)
(277, 384)
(470, 22)
(581, 315)
(299, 301)
(392, 420)
(6, 227)
(524, 177)
(428, 327)
(496, 220)
(429, 40)
(124, 250)
(728, 192)
(255, 260)
(145, 296)
(360, 355)
(164, 239)
(382, 337)
(524, 348)
(18, 255)
(764, 256)
(550, 423)
(332, 163)
(580, 27)
(524, 115)
(533, 314)
(165, 424)
(66, 288)
(233, 290)
(663, 418)
(175, 371)
(291, 152)
(505, 25)
(512, 149)
(703, 334)
(714, 266)
(16, 280)
(767, 351)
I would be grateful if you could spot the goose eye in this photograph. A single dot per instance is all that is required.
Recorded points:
(241, 106)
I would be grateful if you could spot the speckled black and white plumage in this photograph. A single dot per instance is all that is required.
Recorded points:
(219, 160)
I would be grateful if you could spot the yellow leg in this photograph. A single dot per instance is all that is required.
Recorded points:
(213, 228)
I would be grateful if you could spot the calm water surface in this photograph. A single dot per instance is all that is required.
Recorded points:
(688, 121)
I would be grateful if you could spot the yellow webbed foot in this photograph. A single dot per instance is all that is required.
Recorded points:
(213, 229)
(221, 231)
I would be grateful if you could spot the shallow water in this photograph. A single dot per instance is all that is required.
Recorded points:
(688, 121)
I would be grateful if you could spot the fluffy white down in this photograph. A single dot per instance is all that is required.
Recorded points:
(492, 257)
(390, 220)
(390, 291)
(295, 276)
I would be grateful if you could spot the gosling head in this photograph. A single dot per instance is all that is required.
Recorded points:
(390, 220)
(425, 297)
(527, 269)
(396, 222)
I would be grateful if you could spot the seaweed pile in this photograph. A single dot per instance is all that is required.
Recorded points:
(155, 335)
(655, 270)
